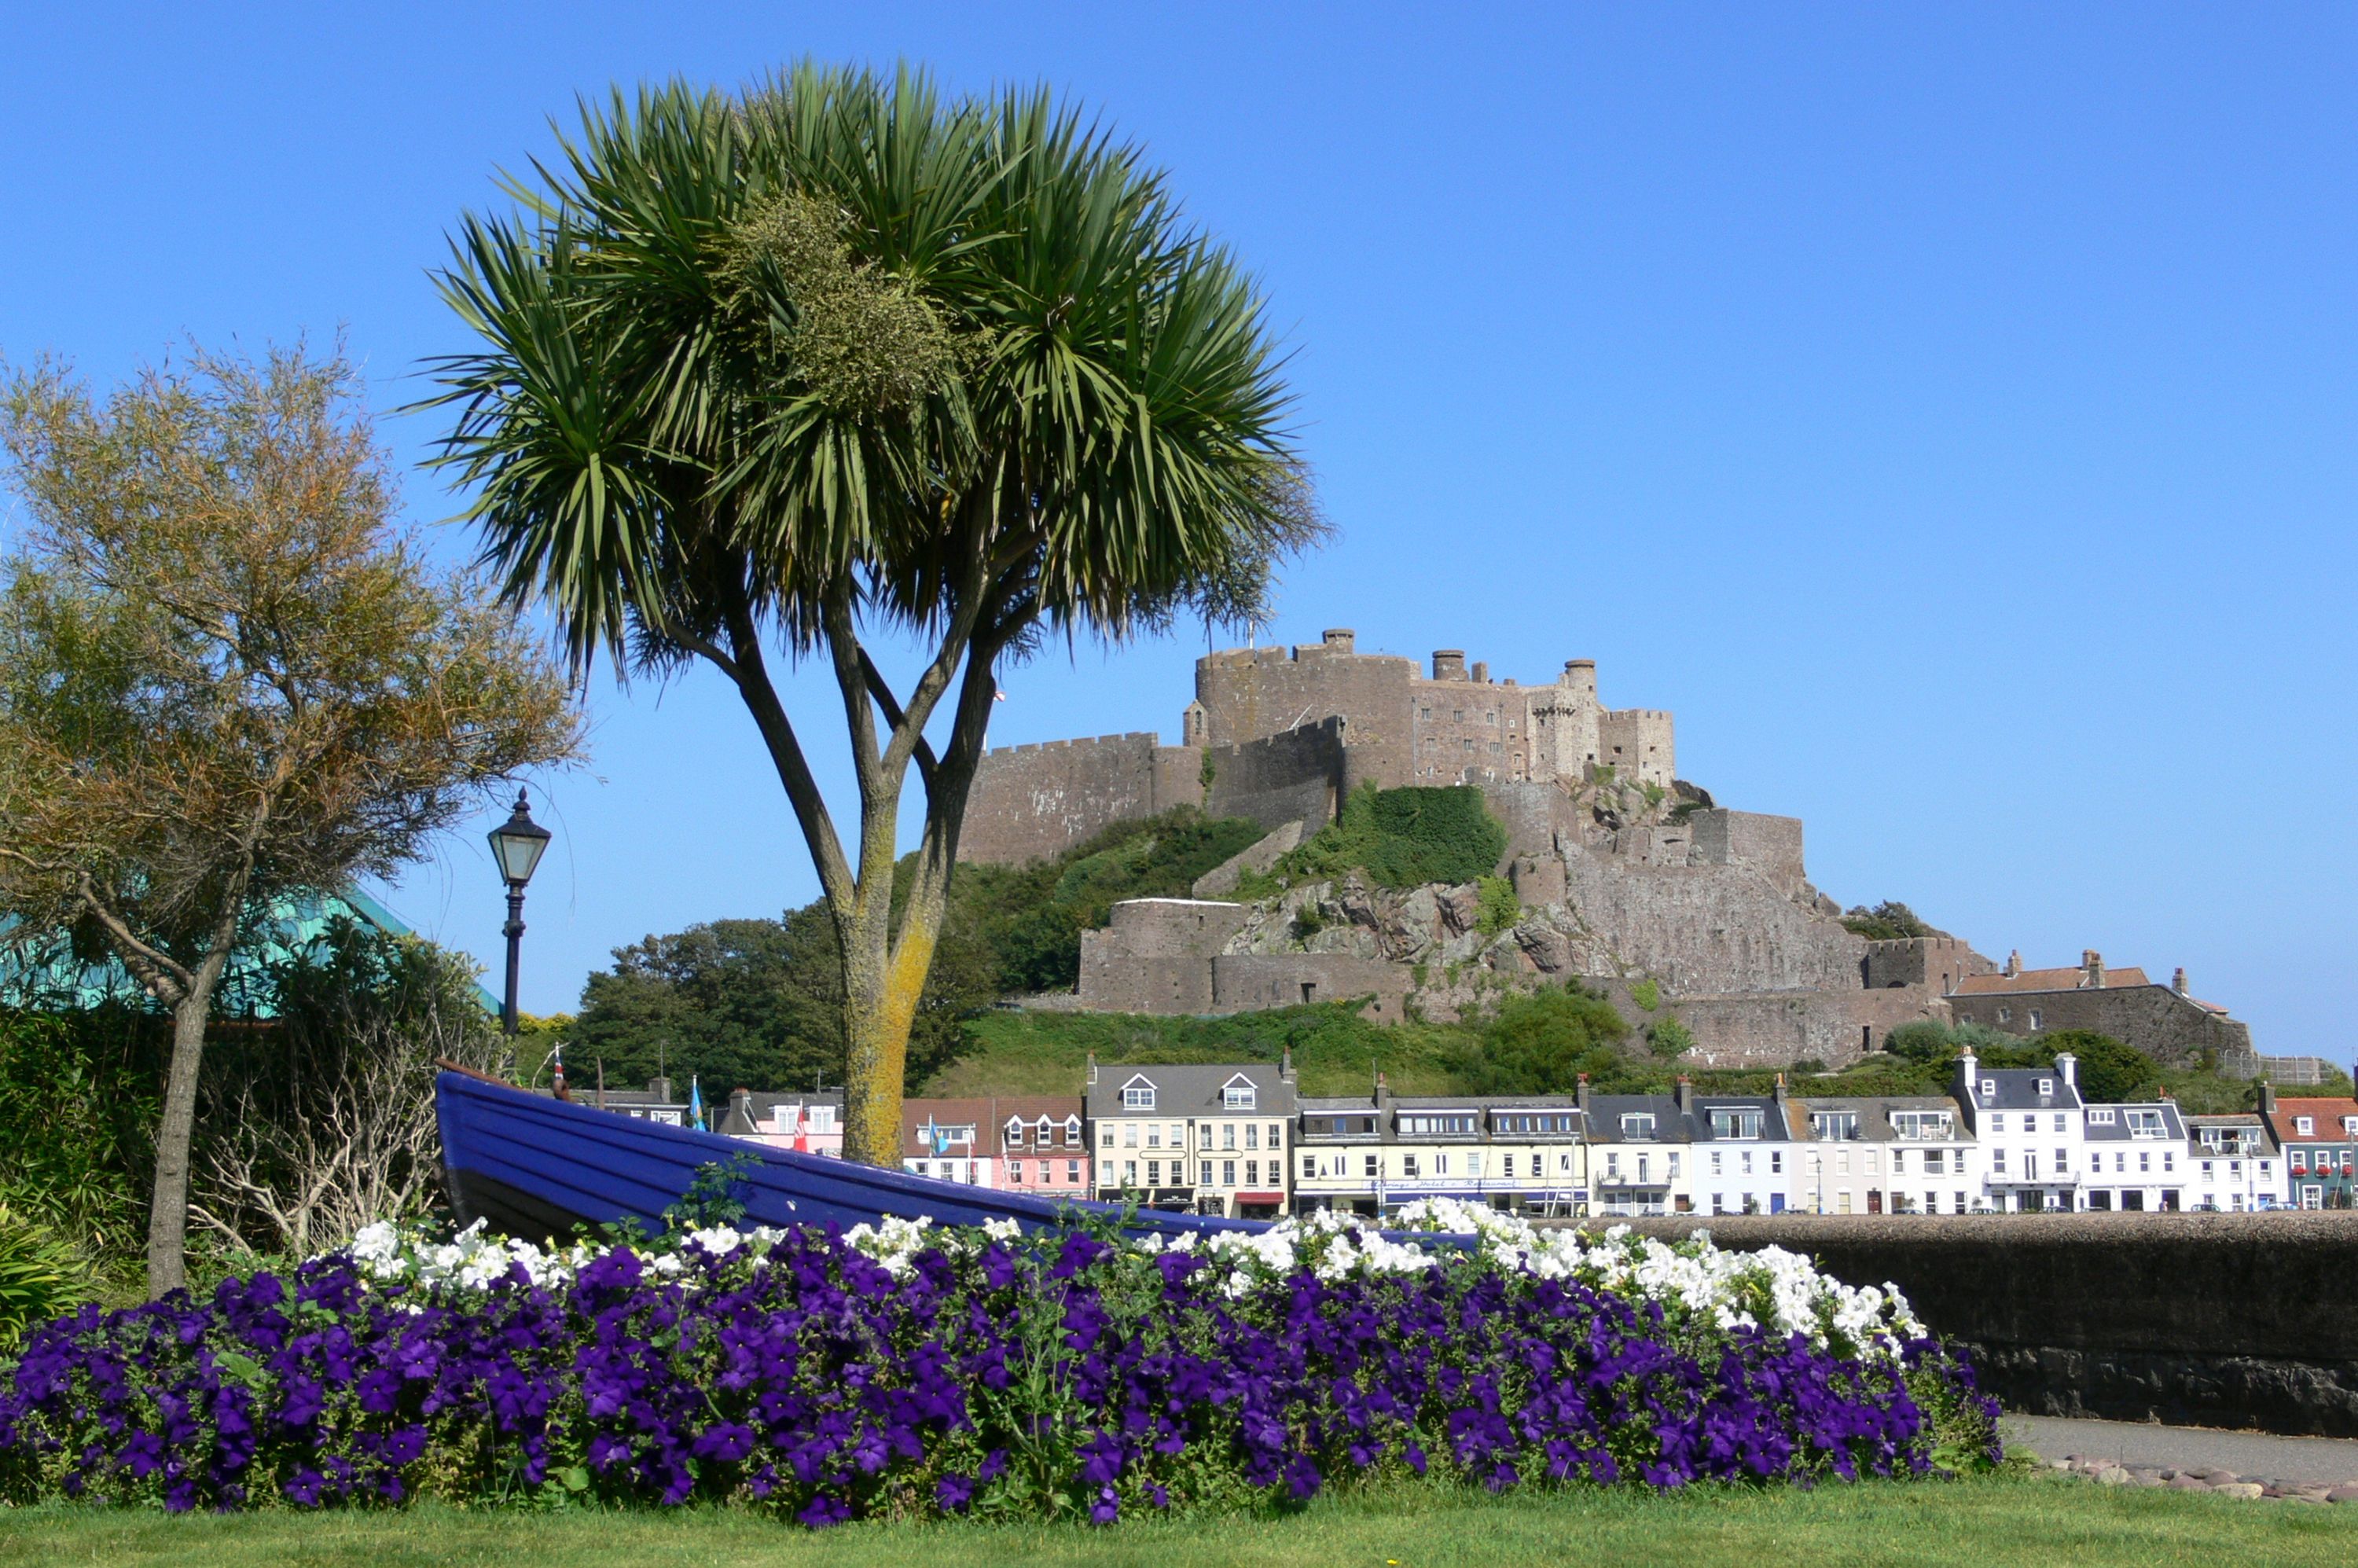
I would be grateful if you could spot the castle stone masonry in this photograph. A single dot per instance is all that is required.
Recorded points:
(1282, 735)
(1629, 880)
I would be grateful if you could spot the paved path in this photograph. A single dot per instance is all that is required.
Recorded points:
(2255, 1455)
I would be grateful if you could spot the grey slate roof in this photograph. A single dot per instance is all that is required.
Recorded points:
(1874, 1112)
(1385, 1116)
(2017, 1088)
(1191, 1090)
(2117, 1129)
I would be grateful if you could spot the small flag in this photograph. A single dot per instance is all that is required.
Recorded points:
(998, 695)
(695, 1101)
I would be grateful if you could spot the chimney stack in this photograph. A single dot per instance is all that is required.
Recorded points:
(1093, 1070)
(2092, 968)
(2177, 980)
(2014, 962)
(1780, 1092)
(1481, 672)
(2069, 1067)
(2267, 1098)
(1285, 1066)
(1580, 1094)
(1684, 1093)
(659, 1089)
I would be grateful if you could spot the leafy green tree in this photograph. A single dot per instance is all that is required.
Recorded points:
(1887, 921)
(226, 676)
(2108, 1070)
(733, 1002)
(1541, 1043)
(833, 361)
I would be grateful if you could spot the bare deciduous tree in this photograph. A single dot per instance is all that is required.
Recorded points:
(322, 1120)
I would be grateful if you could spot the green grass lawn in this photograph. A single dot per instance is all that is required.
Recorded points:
(2037, 1519)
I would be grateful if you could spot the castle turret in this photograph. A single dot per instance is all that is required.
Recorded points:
(1449, 663)
(1580, 676)
(1340, 640)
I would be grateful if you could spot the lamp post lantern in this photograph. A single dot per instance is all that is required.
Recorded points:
(516, 846)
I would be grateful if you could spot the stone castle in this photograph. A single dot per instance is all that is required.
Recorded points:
(1631, 879)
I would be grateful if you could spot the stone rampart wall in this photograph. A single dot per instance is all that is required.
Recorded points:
(1770, 845)
(1293, 777)
(2172, 1029)
(1250, 982)
(1710, 929)
(1030, 802)
(1156, 956)
(2229, 1320)
(1775, 1029)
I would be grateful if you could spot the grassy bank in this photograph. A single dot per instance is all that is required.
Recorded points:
(2036, 1519)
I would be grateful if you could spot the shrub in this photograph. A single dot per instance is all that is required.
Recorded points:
(917, 1370)
(41, 1276)
(1887, 921)
(1670, 1039)
(1541, 1043)
(1403, 838)
(1497, 908)
(1646, 994)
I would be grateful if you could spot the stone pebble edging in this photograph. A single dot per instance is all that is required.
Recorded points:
(2222, 1483)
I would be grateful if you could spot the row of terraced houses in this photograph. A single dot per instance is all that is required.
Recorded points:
(1240, 1139)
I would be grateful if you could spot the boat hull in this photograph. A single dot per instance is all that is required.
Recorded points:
(535, 1167)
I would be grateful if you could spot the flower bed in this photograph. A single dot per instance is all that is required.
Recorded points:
(915, 1370)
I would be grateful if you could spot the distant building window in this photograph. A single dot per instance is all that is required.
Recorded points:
(2100, 1116)
(1638, 1126)
(1989, 1091)
(1237, 1094)
(2036, 1021)
(2305, 1125)
(2006, 1015)
(2046, 1085)
(1138, 1096)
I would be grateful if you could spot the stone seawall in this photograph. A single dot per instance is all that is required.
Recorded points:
(2230, 1320)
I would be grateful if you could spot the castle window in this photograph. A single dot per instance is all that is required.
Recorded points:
(2036, 1021)
(2006, 1015)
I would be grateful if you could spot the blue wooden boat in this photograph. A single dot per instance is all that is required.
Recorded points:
(533, 1167)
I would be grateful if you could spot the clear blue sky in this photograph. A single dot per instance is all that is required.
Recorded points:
(1946, 411)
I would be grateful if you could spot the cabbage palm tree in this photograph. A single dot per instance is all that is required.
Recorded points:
(775, 374)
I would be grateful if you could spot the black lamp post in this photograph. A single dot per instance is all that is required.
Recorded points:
(517, 846)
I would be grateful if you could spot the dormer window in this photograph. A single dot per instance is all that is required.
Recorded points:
(1989, 1089)
(1138, 1095)
(2350, 1127)
(1073, 1132)
(1042, 1130)
(2045, 1089)
(1735, 1124)
(1638, 1126)
(2100, 1116)
(2304, 1126)
(1015, 1132)
(1237, 1093)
